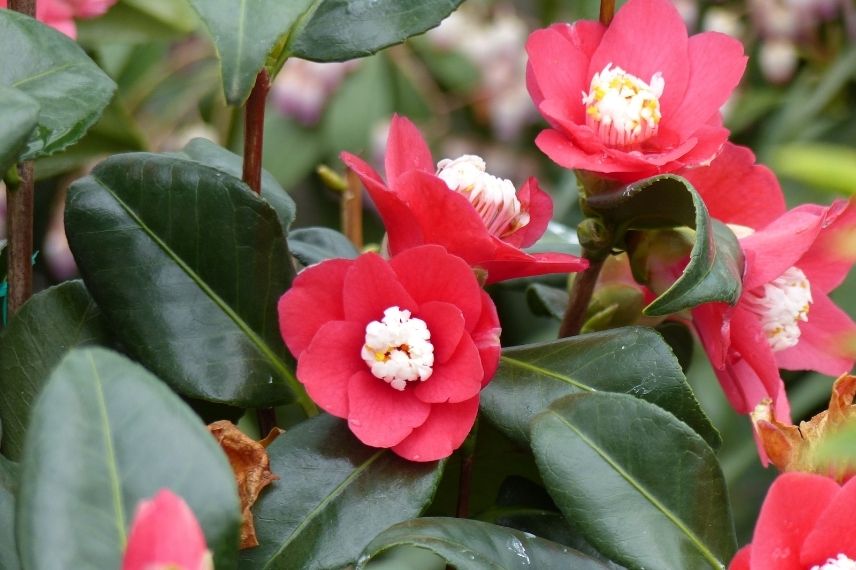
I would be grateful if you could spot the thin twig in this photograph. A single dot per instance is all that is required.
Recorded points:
(607, 11)
(352, 210)
(581, 293)
(19, 214)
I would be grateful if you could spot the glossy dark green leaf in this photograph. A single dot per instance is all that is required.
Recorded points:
(640, 485)
(46, 327)
(8, 488)
(52, 69)
(477, 545)
(339, 30)
(333, 496)
(245, 32)
(187, 265)
(547, 301)
(19, 114)
(313, 245)
(680, 340)
(215, 156)
(106, 434)
(716, 260)
(631, 360)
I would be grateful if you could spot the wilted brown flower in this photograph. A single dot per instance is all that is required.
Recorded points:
(251, 466)
(792, 448)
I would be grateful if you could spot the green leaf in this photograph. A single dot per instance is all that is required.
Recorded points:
(641, 486)
(631, 360)
(313, 245)
(52, 69)
(339, 30)
(187, 264)
(19, 114)
(477, 545)
(215, 156)
(48, 325)
(244, 33)
(106, 434)
(716, 260)
(547, 301)
(334, 494)
(8, 488)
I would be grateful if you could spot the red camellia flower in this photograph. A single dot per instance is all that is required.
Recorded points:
(166, 535)
(476, 216)
(807, 522)
(784, 319)
(635, 98)
(401, 348)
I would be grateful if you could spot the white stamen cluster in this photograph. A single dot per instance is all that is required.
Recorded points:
(782, 304)
(495, 199)
(840, 562)
(621, 108)
(398, 348)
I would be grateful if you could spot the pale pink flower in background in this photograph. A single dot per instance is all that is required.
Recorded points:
(302, 88)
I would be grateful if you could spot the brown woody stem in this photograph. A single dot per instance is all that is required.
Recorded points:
(19, 214)
(254, 134)
(352, 210)
(581, 293)
(607, 11)
(254, 130)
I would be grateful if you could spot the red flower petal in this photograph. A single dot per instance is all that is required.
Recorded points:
(779, 246)
(627, 43)
(519, 264)
(736, 190)
(826, 264)
(442, 433)
(456, 380)
(559, 69)
(712, 322)
(835, 530)
(820, 340)
(401, 224)
(429, 273)
(741, 559)
(406, 150)
(446, 323)
(378, 414)
(329, 362)
(540, 207)
(749, 340)
(315, 298)
(793, 505)
(486, 337)
(371, 288)
(165, 533)
(716, 65)
(583, 34)
(561, 151)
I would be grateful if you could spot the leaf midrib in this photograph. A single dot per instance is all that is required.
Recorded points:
(262, 346)
(313, 513)
(115, 486)
(673, 518)
(547, 372)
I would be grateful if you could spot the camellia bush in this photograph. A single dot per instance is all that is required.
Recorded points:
(512, 293)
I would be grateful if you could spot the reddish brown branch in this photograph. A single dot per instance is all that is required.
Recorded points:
(607, 11)
(19, 215)
(352, 210)
(254, 129)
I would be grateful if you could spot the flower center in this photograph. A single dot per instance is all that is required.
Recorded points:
(621, 108)
(840, 562)
(398, 348)
(495, 199)
(782, 304)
